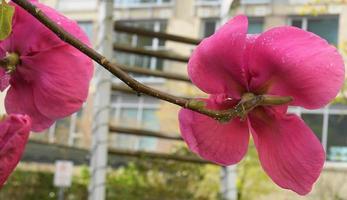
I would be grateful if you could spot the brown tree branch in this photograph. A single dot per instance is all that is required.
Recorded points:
(245, 105)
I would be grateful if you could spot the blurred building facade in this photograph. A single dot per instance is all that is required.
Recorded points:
(197, 19)
(191, 18)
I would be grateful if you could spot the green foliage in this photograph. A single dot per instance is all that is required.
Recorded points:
(6, 15)
(141, 179)
(29, 185)
(252, 181)
(163, 179)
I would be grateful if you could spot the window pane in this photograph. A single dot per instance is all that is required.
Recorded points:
(125, 141)
(255, 26)
(87, 27)
(140, 42)
(325, 27)
(337, 138)
(62, 130)
(128, 117)
(123, 38)
(209, 27)
(143, 61)
(150, 121)
(297, 23)
(315, 122)
(136, 2)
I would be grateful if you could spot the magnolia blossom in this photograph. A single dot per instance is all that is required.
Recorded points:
(51, 79)
(14, 133)
(283, 61)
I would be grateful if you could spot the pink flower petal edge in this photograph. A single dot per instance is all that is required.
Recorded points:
(289, 151)
(53, 76)
(15, 104)
(288, 61)
(207, 67)
(283, 61)
(14, 133)
(224, 144)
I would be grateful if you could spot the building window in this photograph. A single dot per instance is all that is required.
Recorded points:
(87, 27)
(209, 27)
(77, 4)
(255, 1)
(68, 131)
(141, 42)
(324, 26)
(135, 112)
(255, 25)
(330, 126)
(208, 1)
(140, 2)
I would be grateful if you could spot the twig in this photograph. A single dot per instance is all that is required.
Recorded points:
(240, 110)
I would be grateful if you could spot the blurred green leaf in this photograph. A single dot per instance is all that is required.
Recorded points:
(6, 15)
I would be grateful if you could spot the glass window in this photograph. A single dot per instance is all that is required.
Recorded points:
(62, 130)
(255, 25)
(315, 122)
(297, 23)
(325, 27)
(87, 27)
(209, 27)
(128, 117)
(254, 1)
(140, 2)
(337, 138)
(139, 112)
(141, 42)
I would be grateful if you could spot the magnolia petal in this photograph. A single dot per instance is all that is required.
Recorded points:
(216, 64)
(288, 150)
(14, 133)
(60, 80)
(23, 40)
(4, 79)
(288, 61)
(222, 143)
(20, 100)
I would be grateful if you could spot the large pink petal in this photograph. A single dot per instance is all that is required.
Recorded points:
(26, 42)
(289, 61)
(288, 150)
(14, 133)
(216, 65)
(60, 79)
(222, 143)
(19, 100)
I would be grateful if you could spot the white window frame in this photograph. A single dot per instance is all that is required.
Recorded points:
(140, 105)
(207, 3)
(325, 112)
(158, 3)
(254, 2)
(77, 5)
(203, 24)
(306, 18)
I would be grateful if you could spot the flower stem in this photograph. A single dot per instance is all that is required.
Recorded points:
(239, 111)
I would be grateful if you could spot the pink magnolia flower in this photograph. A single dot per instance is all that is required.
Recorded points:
(14, 133)
(52, 79)
(284, 61)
